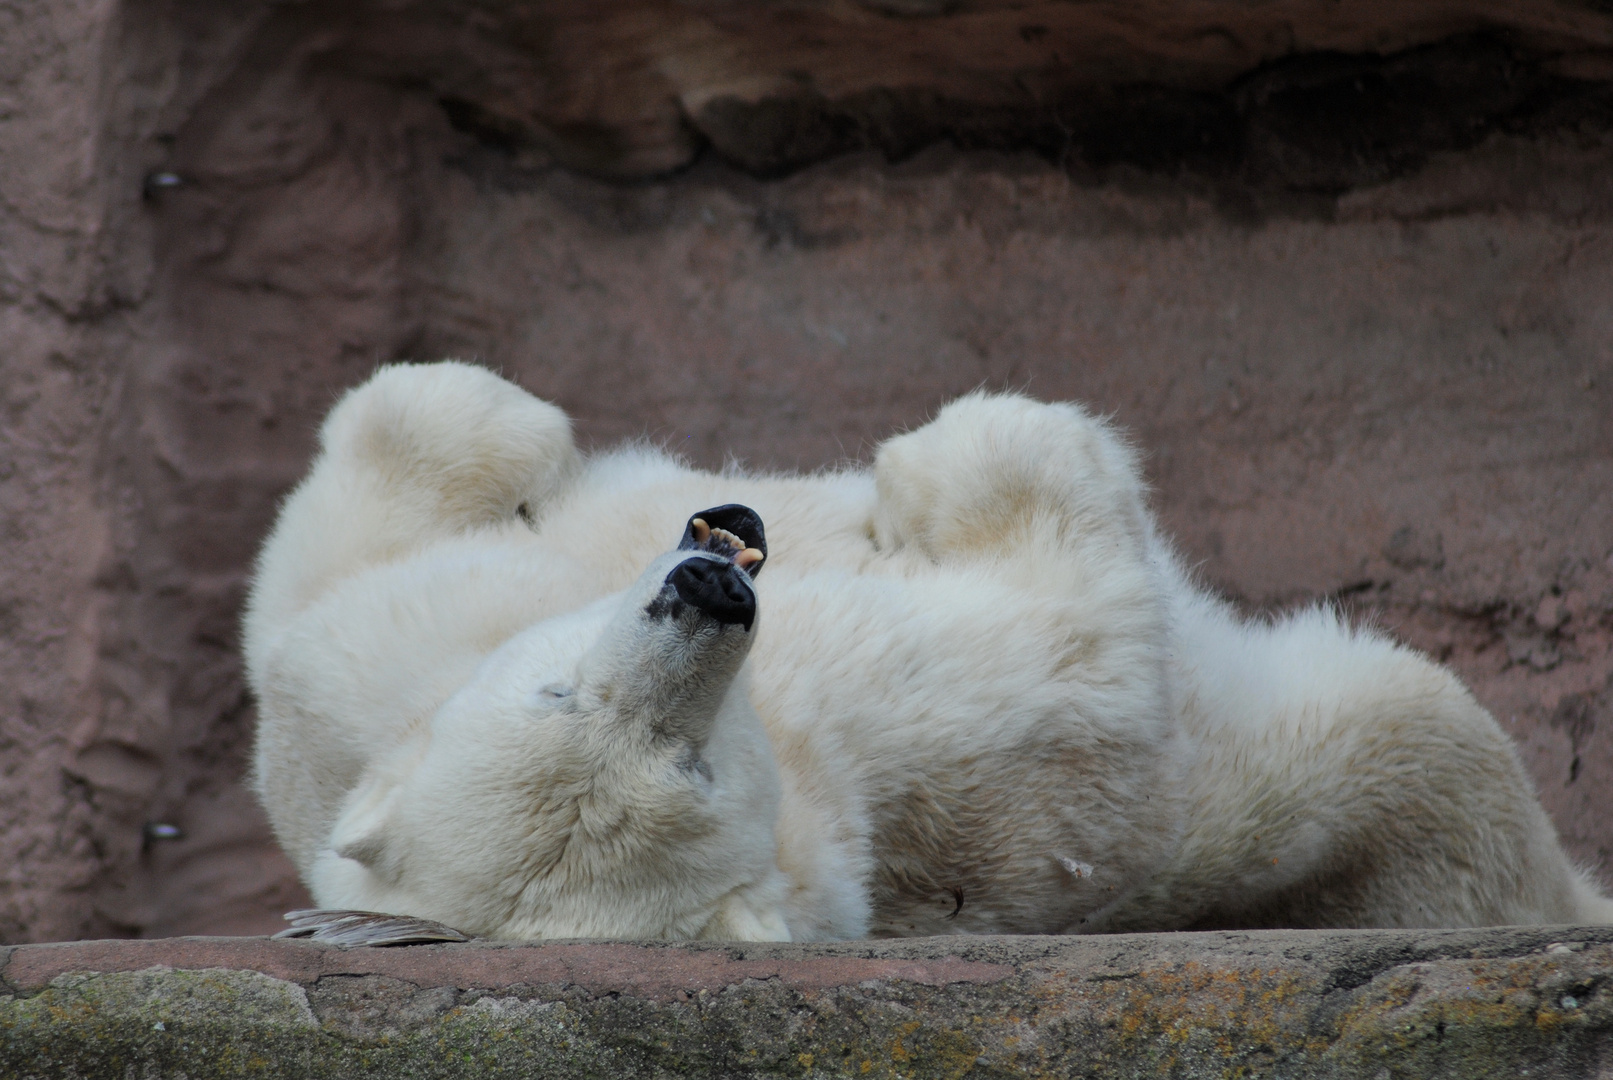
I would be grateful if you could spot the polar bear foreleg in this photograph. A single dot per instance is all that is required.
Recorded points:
(418, 453)
(1041, 491)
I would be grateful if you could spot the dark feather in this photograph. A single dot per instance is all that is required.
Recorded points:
(337, 927)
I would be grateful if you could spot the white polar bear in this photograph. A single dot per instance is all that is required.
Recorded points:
(969, 691)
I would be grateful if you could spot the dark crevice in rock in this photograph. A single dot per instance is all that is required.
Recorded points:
(489, 129)
(1315, 123)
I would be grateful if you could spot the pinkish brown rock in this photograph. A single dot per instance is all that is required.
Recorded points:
(1341, 269)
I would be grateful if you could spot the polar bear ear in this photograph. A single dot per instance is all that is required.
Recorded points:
(364, 830)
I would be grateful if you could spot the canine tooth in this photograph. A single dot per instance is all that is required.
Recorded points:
(700, 529)
(748, 557)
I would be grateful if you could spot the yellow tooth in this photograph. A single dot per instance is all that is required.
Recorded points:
(748, 557)
(700, 529)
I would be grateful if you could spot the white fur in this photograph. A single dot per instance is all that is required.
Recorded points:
(980, 696)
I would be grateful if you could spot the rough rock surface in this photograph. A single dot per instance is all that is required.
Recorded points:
(1345, 270)
(1293, 1004)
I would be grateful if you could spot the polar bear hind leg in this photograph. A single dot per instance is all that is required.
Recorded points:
(1438, 823)
(1342, 780)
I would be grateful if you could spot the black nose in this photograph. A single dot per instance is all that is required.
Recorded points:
(717, 588)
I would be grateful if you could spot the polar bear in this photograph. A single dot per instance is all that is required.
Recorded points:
(526, 693)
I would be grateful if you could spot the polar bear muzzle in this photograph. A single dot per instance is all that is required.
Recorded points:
(717, 588)
(728, 546)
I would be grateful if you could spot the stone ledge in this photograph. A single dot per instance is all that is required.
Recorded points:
(1425, 1004)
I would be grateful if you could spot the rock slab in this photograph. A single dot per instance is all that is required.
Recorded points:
(1373, 1004)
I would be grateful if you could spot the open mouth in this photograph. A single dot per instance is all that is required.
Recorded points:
(733, 533)
(724, 549)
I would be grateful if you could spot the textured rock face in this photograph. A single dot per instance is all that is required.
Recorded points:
(1343, 270)
(1273, 1004)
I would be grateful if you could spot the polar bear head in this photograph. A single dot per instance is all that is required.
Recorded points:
(602, 775)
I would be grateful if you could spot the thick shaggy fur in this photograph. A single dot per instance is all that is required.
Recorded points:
(980, 696)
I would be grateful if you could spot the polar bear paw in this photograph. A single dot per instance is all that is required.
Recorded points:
(992, 470)
(453, 437)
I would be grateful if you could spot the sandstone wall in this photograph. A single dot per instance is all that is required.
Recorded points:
(1344, 270)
